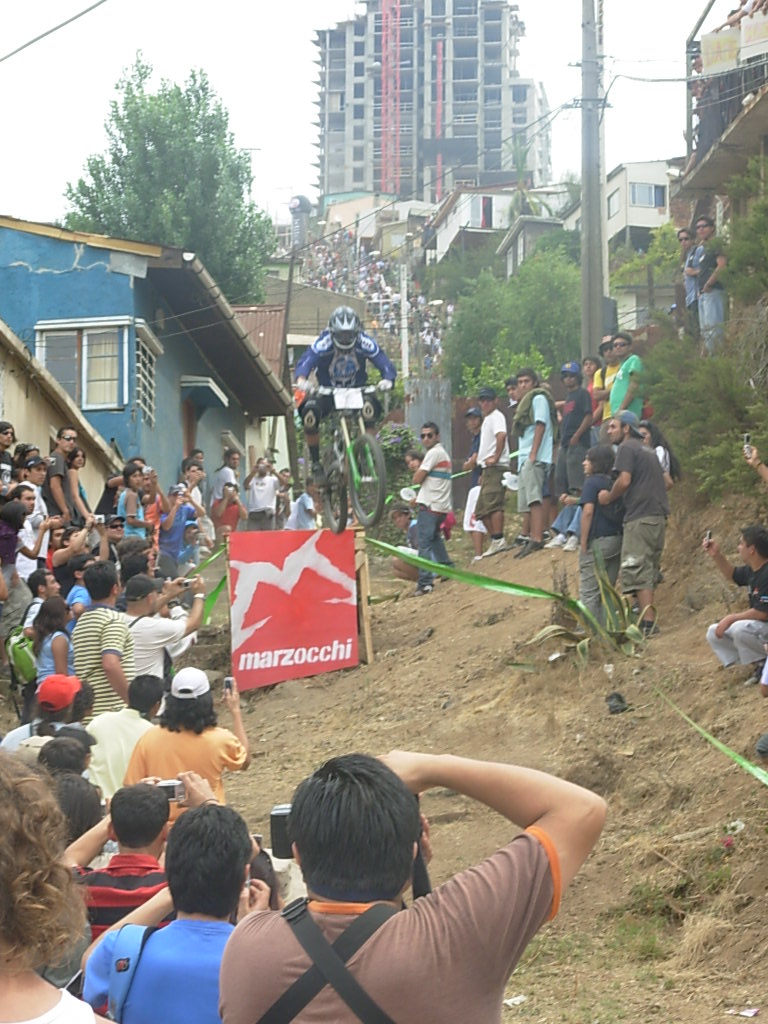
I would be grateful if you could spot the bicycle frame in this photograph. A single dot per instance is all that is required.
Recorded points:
(349, 462)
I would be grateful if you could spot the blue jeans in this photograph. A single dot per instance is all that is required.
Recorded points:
(711, 317)
(431, 543)
(568, 520)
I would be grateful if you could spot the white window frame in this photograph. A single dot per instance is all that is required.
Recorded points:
(614, 197)
(634, 186)
(84, 326)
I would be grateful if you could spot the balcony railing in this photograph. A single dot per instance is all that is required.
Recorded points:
(727, 89)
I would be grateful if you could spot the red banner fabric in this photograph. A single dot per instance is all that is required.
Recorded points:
(293, 598)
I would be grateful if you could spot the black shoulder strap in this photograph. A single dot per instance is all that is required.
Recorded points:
(328, 965)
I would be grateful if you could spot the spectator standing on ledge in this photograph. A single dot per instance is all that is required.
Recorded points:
(624, 390)
(707, 266)
(56, 489)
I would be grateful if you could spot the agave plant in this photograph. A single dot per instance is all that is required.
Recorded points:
(621, 631)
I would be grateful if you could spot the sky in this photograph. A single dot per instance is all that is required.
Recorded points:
(258, 55)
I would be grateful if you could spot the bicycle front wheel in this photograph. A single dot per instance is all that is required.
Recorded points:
(368, 480)
(335, 499)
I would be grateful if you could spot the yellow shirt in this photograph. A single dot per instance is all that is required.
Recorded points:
(603, 381)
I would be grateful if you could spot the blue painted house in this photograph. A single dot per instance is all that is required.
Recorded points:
(141, 338)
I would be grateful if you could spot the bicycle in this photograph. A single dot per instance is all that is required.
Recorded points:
(353, 460)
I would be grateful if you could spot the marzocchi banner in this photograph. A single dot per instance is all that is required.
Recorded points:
(293, 600)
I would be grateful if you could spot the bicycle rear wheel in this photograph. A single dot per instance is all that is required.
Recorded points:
(368, 489)
(335, 499)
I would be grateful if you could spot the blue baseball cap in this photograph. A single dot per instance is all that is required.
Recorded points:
(572, 368)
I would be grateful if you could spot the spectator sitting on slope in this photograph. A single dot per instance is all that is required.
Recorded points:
(739, 638)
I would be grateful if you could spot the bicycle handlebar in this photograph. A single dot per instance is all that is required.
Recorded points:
(322, 389)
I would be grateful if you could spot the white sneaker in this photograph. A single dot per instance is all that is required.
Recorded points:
(495, 547)
(572, 544)
(558, 541)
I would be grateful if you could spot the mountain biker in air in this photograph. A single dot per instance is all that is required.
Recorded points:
(338, 358)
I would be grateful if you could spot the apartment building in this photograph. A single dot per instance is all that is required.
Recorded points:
(419, 96)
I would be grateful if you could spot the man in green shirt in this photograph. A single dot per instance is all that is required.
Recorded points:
(625, 389)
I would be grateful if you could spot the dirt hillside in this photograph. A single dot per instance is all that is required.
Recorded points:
(665, 922)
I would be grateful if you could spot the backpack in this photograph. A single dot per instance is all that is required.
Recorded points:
(21, 655)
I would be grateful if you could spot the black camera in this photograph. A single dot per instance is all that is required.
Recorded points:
(278, 831)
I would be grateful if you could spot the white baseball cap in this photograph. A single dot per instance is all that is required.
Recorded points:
(190, 683)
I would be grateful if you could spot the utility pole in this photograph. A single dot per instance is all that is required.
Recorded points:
(405, 364)
(290, 426)
(591, 213)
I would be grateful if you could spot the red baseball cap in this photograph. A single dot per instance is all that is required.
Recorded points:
(57, 692)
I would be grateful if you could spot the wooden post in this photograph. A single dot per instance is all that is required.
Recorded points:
(363, 579)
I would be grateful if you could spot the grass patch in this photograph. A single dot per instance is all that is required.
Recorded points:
(640, 938)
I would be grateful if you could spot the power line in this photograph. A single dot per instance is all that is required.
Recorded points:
(50, 31)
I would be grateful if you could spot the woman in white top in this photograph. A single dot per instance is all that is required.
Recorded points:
(43, 909)
(653, 438)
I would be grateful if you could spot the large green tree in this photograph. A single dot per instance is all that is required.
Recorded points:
(498, 322)
(173, 175)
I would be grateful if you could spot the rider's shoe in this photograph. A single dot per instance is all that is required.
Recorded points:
(318, 474)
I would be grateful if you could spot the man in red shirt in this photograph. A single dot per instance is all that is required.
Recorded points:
(138, 820)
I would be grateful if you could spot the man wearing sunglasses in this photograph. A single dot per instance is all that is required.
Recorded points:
(624, 391)
(433, 503)
(56, 490)
(709, 263)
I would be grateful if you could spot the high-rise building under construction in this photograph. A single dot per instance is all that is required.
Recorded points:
(416, 96)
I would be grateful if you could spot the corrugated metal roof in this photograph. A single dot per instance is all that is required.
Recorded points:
(264, 326)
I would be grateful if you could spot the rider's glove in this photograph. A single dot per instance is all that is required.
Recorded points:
(384, 385)
(301, 383)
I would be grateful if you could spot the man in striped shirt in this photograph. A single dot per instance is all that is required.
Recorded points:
(138, 820)
(102, 641)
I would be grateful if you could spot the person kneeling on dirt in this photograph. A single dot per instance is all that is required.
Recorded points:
(739, 637)
(485, 916)
(339, 358)
(400, 515)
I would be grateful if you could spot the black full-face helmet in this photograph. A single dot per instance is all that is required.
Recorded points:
(344, 326)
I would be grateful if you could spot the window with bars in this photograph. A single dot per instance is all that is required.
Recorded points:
(145, 382)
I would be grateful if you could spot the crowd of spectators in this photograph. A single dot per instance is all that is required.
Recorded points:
(163, 906)
(337, 263)
(591, 473)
